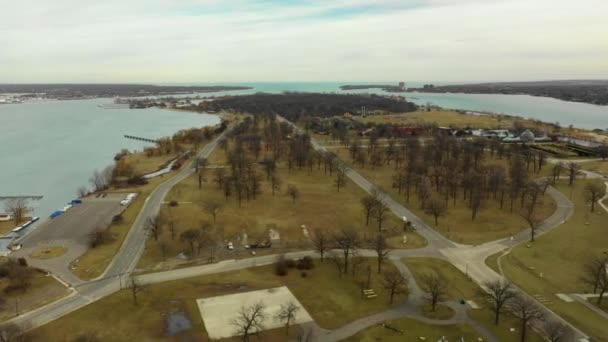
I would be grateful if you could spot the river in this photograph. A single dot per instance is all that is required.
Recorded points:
(51, 148)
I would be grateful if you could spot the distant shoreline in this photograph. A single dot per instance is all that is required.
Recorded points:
(25, 92)
(592, 92)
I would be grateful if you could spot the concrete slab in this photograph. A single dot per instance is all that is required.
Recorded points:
(564, 297)
(219, 312)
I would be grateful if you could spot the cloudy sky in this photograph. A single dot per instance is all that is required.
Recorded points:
(316, 40)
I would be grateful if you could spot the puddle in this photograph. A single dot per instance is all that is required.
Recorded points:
(177, 322)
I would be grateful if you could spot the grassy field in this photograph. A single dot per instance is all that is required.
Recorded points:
(449, 118)
(555, 262)
(6, 226)
(491, 223)
(597, 166)
(413, 330)
(48, 252)
(320, 206)
(43, 290)
(334, 302)
(94, 262)
(461, 287)
(143, 164)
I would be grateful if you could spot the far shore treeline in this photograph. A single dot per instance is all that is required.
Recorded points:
(296, 105)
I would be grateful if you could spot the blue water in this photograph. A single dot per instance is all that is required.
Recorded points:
(51, 148)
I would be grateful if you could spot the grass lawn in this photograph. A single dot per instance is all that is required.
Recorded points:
(320, 206)
(491, 223)
(6, 226)
(597, 166)
(143, 164)
(48, 252)
(94, 262)
(43, 290)
(461, 287)
(334, 302)
(450, 118)
(555, 262)
(413, 330)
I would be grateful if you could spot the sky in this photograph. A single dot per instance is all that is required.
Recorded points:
(286, 41)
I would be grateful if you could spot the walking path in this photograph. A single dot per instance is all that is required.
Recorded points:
(469, 259)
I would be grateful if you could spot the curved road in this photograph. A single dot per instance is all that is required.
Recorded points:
(469, 259)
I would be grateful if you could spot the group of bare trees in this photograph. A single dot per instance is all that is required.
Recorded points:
(502, 297)
(374, 206)
(251, 318)
(441, 168)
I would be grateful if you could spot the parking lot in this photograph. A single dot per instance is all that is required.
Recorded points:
(71, 230)
(77, 223)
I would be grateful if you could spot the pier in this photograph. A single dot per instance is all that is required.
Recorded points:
(142, 139)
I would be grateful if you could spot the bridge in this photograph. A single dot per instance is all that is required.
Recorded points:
(155, 141)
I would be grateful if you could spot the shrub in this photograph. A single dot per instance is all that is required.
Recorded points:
(117, 219)
(280, 267)
(290, 263)
(100, 236)
(22, 262)
(306, 263)
(173, 204)
(303, 274)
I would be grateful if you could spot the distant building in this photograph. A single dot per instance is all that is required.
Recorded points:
(401, 85)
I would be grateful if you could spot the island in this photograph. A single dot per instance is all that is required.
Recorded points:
(588, 91)
(386, 87)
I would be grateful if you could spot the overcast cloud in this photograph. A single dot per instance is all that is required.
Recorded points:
(356, 40)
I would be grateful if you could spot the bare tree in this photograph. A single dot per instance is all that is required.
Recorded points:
(526, 311)
(321, 242)
(593, 271)
(593, 192)
(17, 208)
(436, 207)
(11, 333)
(293, 192)
(287, 314)
(340, 180)
(435, 288)
(382, 251)
(102, 179)
(213, 208)
(380, 210)
(82, 191)
(395, 283)
(556, 331)
(275, 183)
(573, 170)
(154, 226)
(499, 293)
(190, 236)
(334, 257)
(529, 214)
(135, 287)
(369, 203)
(347, 241)
(250, 320)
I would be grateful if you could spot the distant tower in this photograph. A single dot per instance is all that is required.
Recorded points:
(401, 85)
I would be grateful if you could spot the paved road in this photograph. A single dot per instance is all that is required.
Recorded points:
(469, 259)
(124, 262)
